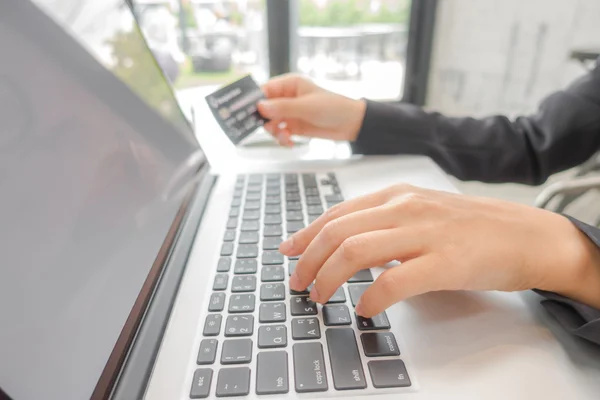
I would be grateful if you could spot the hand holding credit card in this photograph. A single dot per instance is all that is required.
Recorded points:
(235, 108)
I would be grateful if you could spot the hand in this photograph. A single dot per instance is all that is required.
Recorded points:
(444, 242)
(296, 106)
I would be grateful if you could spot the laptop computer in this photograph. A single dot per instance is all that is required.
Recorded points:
(119, 282)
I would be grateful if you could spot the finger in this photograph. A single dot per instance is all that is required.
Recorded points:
(333, 234)
(284, 137)
(417, 276)
(282, 86)
(273, 126)
(357, 253)
(286, 108)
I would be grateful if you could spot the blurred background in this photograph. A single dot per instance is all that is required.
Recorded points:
(460, 57)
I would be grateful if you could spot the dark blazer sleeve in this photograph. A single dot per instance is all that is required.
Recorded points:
(564, 132)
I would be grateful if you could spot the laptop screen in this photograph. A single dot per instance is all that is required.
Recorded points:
(90, 135)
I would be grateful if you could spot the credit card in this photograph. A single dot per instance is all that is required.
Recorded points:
(235, 108)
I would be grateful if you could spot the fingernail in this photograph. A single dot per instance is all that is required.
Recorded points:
(314, 294)
(359, 309)
(295, 283)
(287, 246)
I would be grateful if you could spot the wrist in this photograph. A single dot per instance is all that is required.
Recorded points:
(356, 115)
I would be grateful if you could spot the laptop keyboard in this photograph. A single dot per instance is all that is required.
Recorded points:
(260, 337)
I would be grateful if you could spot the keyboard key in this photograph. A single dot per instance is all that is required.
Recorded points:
(336, 314)
(273, 177)
(249, 237)
(229, 235)
(212, 325)
(346, 366)
(294, 226)
(312, 218)
(293, 205)
(292, 267)
(271, 312)
(272, 243)
(313, 201)
(250, 226)
(221, 281)
(291, 196)
(241, 303)
(309, 368)
(334, 198)
(310, 180)
(273, 200)
(237, 193)
(355, 292)
(236, 351)
(272, 291)
(227, 249)
(305, 328)
(294, 216)
(338, 296)
(380, 321)
(305, 292)
(234, 212)
(331, 204)
(388, 373)
(272, 209)
(272, 219)
(295, 258)
(236, 202)
(233, 382)
(247, 251)
(273, 273)
(201, 383)
(315, 210)
(207, 352)
(243, 283)
(273, 190)
(245, 266)
(232, 223)
(254, 189)
(217, 302)
(272, 373)
(272, 336)
(224, 264)
(311, 191)
(239, 325)
(254, 195)
(364, 275)
(255, 178)
(302, 306)
(291, 178)
(251, 215)
(252, 205)
(272, 258)
(272, 230)
(379, 344)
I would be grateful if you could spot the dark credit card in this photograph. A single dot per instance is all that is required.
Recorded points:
(234, 107)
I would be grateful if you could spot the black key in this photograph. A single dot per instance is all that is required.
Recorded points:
(201, 383)
(331, 204)
(334, 198)
(251, 215)
(309, 368)
(315, 210)
(236, 202)
(311, 191)
(237, 193)
(272, 209)
(313, 201)
(252, 205)
(295, 258)
(272, 373)
(249, 237)
(273, 177)
(272, 219)
(247, 251)
(355, 292)
(245, 266)
(336, 314)
(379, 344)
(305, 292)
(388, 373)
(272, 258)
(292, 267)
(273, 191)
(294, 216)
(291, 178)
(232, 223)
(273, 200)
(273, 273)
(227, 249)
(239, 325)
(272, 243)
(292, 189)
(272, 291)
(310, 180)
(305, 328)
(302, 306)
(234, 212)
(229, 235)
(272, 230)
(335, 188)
(239, 185)
(346, 366)
(255, 178)
(312, 218)
(236, 351)
(224, 264)
(380, 321)
(290, 196)
(272, 336)
(233, 382)
(220, 282)
(338, 296)
(207, 352)
(241, 303)
(254, 195)
(271, 312)
(212, 325)
(293, 206)
(243, 283)
(217, 302)
(254, 189)
(364, 275)
(294, 226)
(250, 226)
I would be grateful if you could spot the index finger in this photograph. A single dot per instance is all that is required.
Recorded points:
(282, 86)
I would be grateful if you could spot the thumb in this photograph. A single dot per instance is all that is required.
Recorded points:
(286, 108)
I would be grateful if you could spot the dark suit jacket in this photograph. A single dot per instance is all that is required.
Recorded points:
(563, 133)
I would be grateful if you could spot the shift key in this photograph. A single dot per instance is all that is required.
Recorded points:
(346, 366)
(309, 368)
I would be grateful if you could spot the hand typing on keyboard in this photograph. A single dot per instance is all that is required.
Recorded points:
(444, 242)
